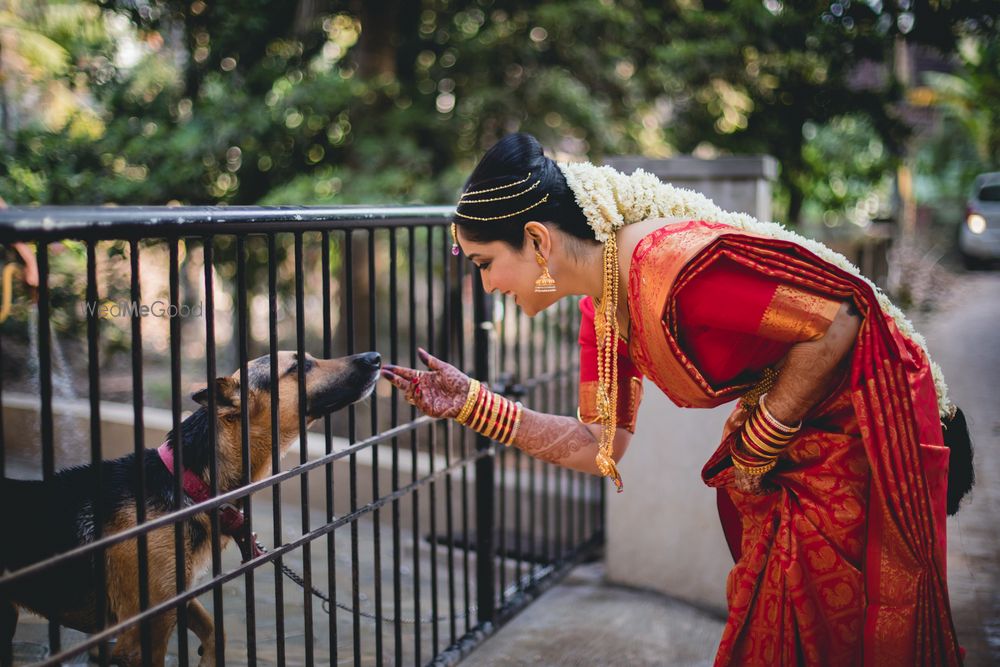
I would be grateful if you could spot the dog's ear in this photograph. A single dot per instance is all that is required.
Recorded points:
(227, 393)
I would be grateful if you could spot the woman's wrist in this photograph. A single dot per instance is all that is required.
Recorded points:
(761, 440)
(490, 414)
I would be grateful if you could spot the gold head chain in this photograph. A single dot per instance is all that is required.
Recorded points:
(464, 200)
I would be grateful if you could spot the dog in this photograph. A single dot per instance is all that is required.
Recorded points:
(39, 519)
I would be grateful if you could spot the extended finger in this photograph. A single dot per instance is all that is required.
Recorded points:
(397, 381)
(430, 361)
(409, 374)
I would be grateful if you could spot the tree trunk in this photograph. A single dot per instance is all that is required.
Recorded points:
(5, 124)
(795, 201)
(376, 49)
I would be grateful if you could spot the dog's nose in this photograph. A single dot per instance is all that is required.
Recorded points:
(372, 358)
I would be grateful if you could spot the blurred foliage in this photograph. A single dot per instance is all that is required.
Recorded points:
(327, 102)
(967, 140)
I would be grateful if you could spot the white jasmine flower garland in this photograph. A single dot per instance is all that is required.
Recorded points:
(610, 200)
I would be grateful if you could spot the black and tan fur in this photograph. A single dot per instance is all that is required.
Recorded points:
(40, 519)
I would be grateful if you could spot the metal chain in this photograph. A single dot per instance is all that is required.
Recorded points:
(291, 574)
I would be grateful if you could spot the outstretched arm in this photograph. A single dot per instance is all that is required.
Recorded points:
(565, 441)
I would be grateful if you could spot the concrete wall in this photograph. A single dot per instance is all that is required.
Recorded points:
(663, 531)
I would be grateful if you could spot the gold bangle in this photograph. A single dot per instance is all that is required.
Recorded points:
(470, 402)
(518, 410)
(755, 471)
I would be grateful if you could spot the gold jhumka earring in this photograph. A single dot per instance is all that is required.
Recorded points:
(545, 282)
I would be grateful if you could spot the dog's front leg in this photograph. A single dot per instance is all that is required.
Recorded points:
(8, 625)
(200, 622)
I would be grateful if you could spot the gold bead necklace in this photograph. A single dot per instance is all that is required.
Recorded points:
(606, 330)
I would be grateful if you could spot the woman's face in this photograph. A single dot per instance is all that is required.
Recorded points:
(509, 271)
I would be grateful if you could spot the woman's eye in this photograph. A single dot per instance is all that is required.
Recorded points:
(484, 266)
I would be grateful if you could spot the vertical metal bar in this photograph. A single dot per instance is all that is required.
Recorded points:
(353, 459)
(45, 392)
(175, 408)
(3, 448)
(502, 490)
(376, 528)
(464, 435)
(432, 451)
(272, 337)
(571, 476)
(300, 343)
(242, 309)
(138, 432)
(96, 460)
(415, 506)
(546, 469)
(397, 582)
(518, 463)
(208, 260)
(485, 465)
(446, 338)
(534, 463)
(45, 366)
(331, 544)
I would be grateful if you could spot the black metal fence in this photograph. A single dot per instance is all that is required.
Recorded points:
(422, 536)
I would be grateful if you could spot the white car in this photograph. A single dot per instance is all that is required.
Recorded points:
(979, 235)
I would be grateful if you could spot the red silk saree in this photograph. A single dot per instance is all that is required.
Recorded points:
(845, 562)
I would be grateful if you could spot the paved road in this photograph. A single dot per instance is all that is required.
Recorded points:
(583, 621)
(964, 337)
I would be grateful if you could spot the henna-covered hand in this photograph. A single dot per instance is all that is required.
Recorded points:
(438, 392)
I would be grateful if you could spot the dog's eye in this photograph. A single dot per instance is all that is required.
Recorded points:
(306, 367)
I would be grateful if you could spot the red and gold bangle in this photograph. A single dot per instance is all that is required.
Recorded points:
(482, 409)
(518, 410)
(499, 419)
(504, 435)
(753, 437)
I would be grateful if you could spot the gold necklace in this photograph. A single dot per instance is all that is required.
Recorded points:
(606, 329)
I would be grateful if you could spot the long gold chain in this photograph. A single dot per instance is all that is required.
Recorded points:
(606, 330)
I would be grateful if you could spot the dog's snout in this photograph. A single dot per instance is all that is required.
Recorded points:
(374, 359)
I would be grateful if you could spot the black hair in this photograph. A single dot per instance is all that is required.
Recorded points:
(504, 170)
(961, 475)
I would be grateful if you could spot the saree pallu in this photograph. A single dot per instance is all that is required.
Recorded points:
(844, 563)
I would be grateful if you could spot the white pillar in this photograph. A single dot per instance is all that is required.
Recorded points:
(663, 531)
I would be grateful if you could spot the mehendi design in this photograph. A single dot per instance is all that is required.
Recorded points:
(552, 438)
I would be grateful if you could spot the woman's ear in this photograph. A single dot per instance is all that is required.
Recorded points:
(538, 237)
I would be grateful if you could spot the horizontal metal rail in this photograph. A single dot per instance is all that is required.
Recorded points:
(49, 223)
